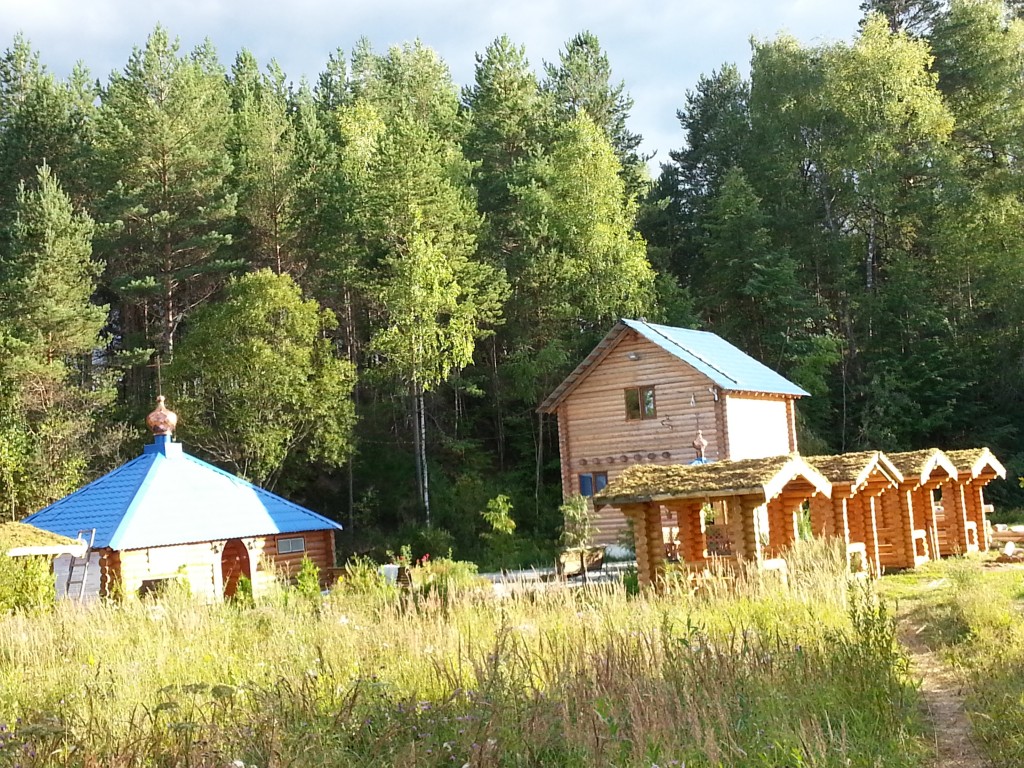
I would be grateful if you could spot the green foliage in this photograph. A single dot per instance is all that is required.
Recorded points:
(45, 121)
(243, 592)
(362, 577)
(850, 214)
(307, 581)
(25, 583)
(581, 83)
(769, 679)
(973, 620)
(163, 167)
(498, 515)
(266, 171)
(578, 529)
(258, 381)
(48, 328)
(445, 579)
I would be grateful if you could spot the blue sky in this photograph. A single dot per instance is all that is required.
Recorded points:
(658, 48)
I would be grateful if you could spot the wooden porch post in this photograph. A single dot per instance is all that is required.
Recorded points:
(737, 537)
(956, 518)
(751, 510)
(824, 517)
(655, 544)
(905, 525)
(871, 536)
(691, 532)
(635, 512)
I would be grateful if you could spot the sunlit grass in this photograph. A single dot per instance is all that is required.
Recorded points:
(974, 613)
(742, 673)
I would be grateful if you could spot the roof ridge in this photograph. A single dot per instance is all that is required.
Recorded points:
(129, 513)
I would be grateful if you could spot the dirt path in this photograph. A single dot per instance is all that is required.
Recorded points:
(942, 697)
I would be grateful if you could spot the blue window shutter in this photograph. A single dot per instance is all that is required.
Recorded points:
(600, 481)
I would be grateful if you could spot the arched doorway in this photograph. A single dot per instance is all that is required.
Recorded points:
(234, 564)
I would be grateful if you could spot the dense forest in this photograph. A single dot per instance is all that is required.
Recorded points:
(356, 291)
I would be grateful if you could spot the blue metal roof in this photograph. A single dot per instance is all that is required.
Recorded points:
(726, 365)
(165, 497)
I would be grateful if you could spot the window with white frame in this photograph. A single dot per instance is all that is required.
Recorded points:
(291, 545)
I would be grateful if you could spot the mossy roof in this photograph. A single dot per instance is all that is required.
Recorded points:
(653, 482)
(920, 465)
(975, 460)
(855, 469)
(17, 535)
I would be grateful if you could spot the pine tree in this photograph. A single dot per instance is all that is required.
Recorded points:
(163, 161)
(409, 244)
(48, 331)
(581, 83)
(42, 120)
(265, 166)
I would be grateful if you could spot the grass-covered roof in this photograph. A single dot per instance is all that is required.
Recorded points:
(854, 469)
(920, 465)
(652, 482)
(18, 535)
(975, 461)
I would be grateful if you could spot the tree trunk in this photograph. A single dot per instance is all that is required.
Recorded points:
(416, 444)
(499, 419)
(420, 446)
(538, 464)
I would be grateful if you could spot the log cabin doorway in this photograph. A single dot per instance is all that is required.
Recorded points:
(234, 564)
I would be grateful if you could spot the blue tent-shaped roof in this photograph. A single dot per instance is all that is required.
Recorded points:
(726, 365)
(167, 497)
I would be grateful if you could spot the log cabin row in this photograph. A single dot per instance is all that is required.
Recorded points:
(167, 517)
(634, 404)
(891, 511)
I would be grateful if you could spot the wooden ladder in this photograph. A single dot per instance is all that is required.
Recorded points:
(80, 566)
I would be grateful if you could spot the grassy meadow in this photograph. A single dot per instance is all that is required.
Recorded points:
(974, 614)
(739, 673)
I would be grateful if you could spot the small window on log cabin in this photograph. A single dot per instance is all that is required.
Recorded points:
(290, 546)
(640, 403)
(592, 482)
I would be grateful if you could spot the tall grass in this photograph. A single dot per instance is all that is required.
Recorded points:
(754, 675)
(979, 620)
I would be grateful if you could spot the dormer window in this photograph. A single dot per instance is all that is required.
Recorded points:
(640, 403)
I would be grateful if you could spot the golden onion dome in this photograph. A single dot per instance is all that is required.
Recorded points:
(161, 421)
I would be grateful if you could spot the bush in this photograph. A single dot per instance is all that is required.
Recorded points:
(444, 577)
(578, 528)
(307, 583)
(25, 582)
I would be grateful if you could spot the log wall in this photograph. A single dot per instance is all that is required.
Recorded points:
(595, 436)
(974, 506)
(852, 517)
(200, 563)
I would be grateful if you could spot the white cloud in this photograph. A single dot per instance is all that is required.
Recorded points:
(659, 47)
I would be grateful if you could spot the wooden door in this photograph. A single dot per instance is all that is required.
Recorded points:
(234, 564)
